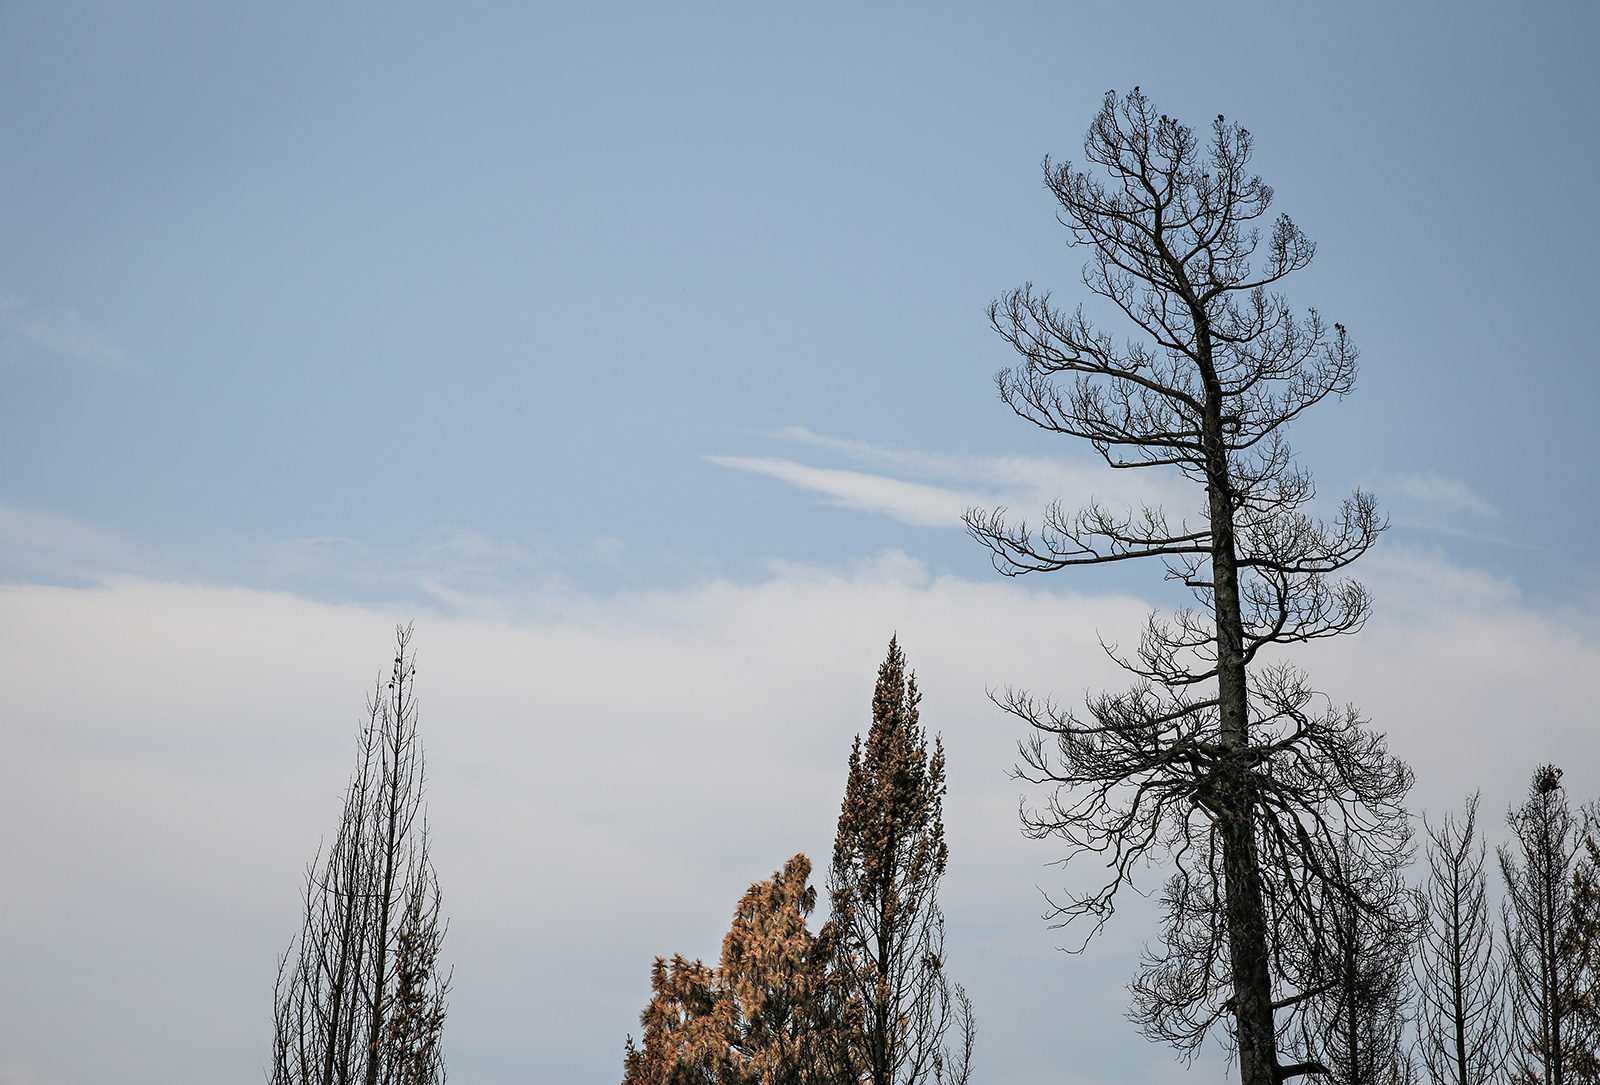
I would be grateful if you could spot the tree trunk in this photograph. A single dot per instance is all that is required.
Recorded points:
(1254, 1024)
(1247, 942)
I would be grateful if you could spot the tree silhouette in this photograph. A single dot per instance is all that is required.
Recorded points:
(1226, 766)
(1551, 1044)
(1356, 1023)
(359, 999)
(1459, 1020)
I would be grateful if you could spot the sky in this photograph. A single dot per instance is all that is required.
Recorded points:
(638, 354)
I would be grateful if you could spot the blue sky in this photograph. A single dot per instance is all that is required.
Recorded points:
(547, 317)
(283, 273)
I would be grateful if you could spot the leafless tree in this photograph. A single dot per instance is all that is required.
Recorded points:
(1460, 1013)
(1551, 1044)
(1229, 767)
(1356, 1025)
(359, 997)
(888, 858)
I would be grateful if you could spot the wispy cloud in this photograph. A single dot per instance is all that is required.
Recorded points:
(458, 569)
(27, 328)
(931, 489)
(914, 503)
(45, 546)
(1439, 493)
(449, 570)
(915, 462)
(461, 572)
(1444, 506)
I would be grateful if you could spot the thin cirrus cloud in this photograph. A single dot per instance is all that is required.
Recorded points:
(1440, 494)
(1445, 506)
(28, 329)
(929, 489)
(914, 503)
(44, 546)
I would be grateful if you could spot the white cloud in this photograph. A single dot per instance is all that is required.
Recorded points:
(606, 781)
(927, 489)
(463, 572)
(605, 785)
(1443, 506)
(56, 331)
(915, 462)
(914, 503)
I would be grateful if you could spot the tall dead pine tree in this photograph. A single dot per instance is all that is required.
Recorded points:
(1229, 769)
(888, 858)
(359, 997)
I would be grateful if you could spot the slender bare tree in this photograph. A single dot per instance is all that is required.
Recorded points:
(888, 858)
(1550, 1043)
(1228, 767)
(1356, 1024)
(359, 997)
(1460, 1013)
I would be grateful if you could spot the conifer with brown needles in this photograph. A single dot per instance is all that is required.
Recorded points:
(760, 1016)
(888, 858)
(866, 1000)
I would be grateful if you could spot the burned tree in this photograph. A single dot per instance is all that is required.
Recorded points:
(359, 997)
(1582, 946)
(865, 1001)
(1459, 1013)
(1356, 1022)
(1551, 1043)
(761, 1017)
(1229, 767)
(888, 858)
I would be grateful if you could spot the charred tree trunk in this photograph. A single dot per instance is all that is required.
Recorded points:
(1255, 1025)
